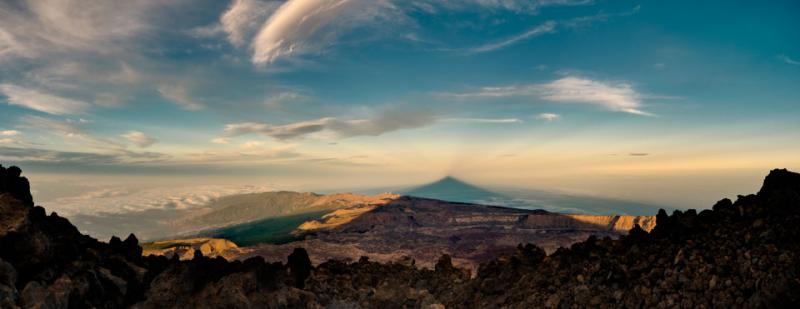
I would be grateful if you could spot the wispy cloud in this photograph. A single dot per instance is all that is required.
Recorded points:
(278, 100)
(243, 17)
(93, 150)
(547, 27)
(54, 156)
(788, 60)
(8, 132)
(548, 117)
(385, 121)
(615, 96)
(483, 120)
(550, 26)
(28, 155)
(180, 95)
(221, 141)
(303, 26)
(41, 101)
(585, 21)
(35, 28)
(139, 139)
(300, 26)
(531, 7)
(70, 131)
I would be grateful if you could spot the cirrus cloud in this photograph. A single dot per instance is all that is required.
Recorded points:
(615, 96)
(243, 17)
(619, 97)
(386, 121)
(41, 101)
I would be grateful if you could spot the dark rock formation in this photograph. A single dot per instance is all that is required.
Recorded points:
(743, 254)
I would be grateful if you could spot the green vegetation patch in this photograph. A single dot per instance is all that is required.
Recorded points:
(276, 230)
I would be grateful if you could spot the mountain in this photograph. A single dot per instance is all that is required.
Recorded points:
(386, 228)
(452, 189)
(742, 254)
(423, 229)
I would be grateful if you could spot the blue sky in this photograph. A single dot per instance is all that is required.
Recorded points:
(596, 97)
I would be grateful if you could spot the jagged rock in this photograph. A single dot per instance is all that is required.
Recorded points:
(299, 266)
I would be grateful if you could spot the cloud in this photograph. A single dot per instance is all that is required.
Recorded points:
(547, 27)
(548, 117)
(140, 139)
(292, 25)
(33, 28)
(5, 136)
(53, 156)
(221, 141)
(69, 146)
(519, 6)
(249, 152)
(386, 121)
(65, 128)
(252, 144)
(276, 30)
(280, 99)
(180, 95)
(638, 154)
(301, 27)
(788, 60)
(585, 21)
(615, 96)
(483, 120)
(243, 17)
(78, 158)
(70, 131)
(41, 101)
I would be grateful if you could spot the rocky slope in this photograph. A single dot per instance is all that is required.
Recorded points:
(743, 254)
(424, 229)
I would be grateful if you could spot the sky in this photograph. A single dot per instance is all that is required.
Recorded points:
(670, 102)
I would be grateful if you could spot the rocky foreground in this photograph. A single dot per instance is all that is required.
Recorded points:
(740, 254)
